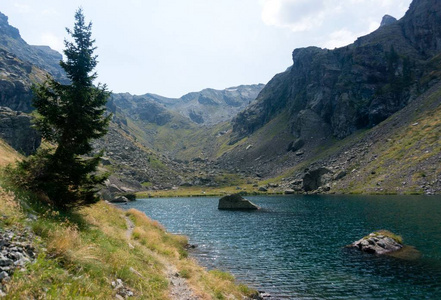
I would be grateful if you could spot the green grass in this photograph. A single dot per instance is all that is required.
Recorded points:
(81, 253)
(395, 237)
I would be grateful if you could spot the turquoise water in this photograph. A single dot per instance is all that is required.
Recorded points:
(293, 247)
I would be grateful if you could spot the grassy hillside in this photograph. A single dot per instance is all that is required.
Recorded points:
(405, 153)
(7, 154)
(102, 252)
(399, 156)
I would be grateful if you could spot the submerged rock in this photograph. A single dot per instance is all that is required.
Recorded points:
(379, 242)
(236, 202)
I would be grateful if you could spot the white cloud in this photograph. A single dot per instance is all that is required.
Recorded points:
(52, 41)
(49, 12)
(340, 38)
(22, 8)
(330, 23)
(297, 15)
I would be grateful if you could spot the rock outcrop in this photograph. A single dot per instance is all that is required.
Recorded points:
(379, 242)
(337, 92)
(16, 79)
(16, 129)
(314, 179)
(16, 251)
(42, 57)
(387, 20)
(236, 202)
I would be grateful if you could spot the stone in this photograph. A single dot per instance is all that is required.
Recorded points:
(300, 153)
(105, 161)
(289, 192)
(113, 188)
(120, 199)
(296, 145)
(236, 202)
(3, 275)
(379, 243)
(313, 179)
(339, 175)
(16, 129)
(262, 189)
(4, 261)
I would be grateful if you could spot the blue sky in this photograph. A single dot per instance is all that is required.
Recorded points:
(172, 47)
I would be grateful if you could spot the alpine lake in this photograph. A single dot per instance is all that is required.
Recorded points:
(293, 247)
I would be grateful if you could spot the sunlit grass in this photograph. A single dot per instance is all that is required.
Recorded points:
(80, 254)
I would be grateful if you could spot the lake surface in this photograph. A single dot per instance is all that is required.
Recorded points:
(293, 247)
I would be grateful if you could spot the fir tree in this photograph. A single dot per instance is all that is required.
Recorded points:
(70, 116)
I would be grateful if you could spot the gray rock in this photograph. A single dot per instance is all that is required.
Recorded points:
(262, 189)
(3, 275)
(296, 145)
(313, 179)
(289, 191)
(387, 20)
(339, 175)
(4, 261)
(379, 242)
(16, 129)
(236, 202)
(120, 199)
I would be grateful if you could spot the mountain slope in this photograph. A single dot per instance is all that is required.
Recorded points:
(41, 56)
(400, 155)
(352, 87)
(327, 95)
(16, 79)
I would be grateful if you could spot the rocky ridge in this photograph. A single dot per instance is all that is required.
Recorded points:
(42, 57)
(16, 129)
(207, 107)
(337, 92)
(16, 79)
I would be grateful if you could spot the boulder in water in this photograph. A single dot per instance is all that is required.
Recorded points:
(379, 242)
(236, 202)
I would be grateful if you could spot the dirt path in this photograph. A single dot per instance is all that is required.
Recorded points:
(179, 289)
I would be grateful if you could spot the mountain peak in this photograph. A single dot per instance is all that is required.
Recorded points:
(387, 20)
(7, 29)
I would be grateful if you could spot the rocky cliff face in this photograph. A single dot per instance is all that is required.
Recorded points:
(336, 92)
(16, 130)
(16, 79)
(41, 56)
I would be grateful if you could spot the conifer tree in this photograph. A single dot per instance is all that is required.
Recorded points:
(70, 116)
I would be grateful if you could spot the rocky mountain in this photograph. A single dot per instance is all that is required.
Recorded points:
(41, 56)
(361, 118)
(337, 92)
(16, 79)
(210, 107)
(328, 94)
(207, 107)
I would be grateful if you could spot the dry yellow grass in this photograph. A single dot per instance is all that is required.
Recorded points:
(205, 284)
(7, 154)
(9, 208)
(81, 254)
